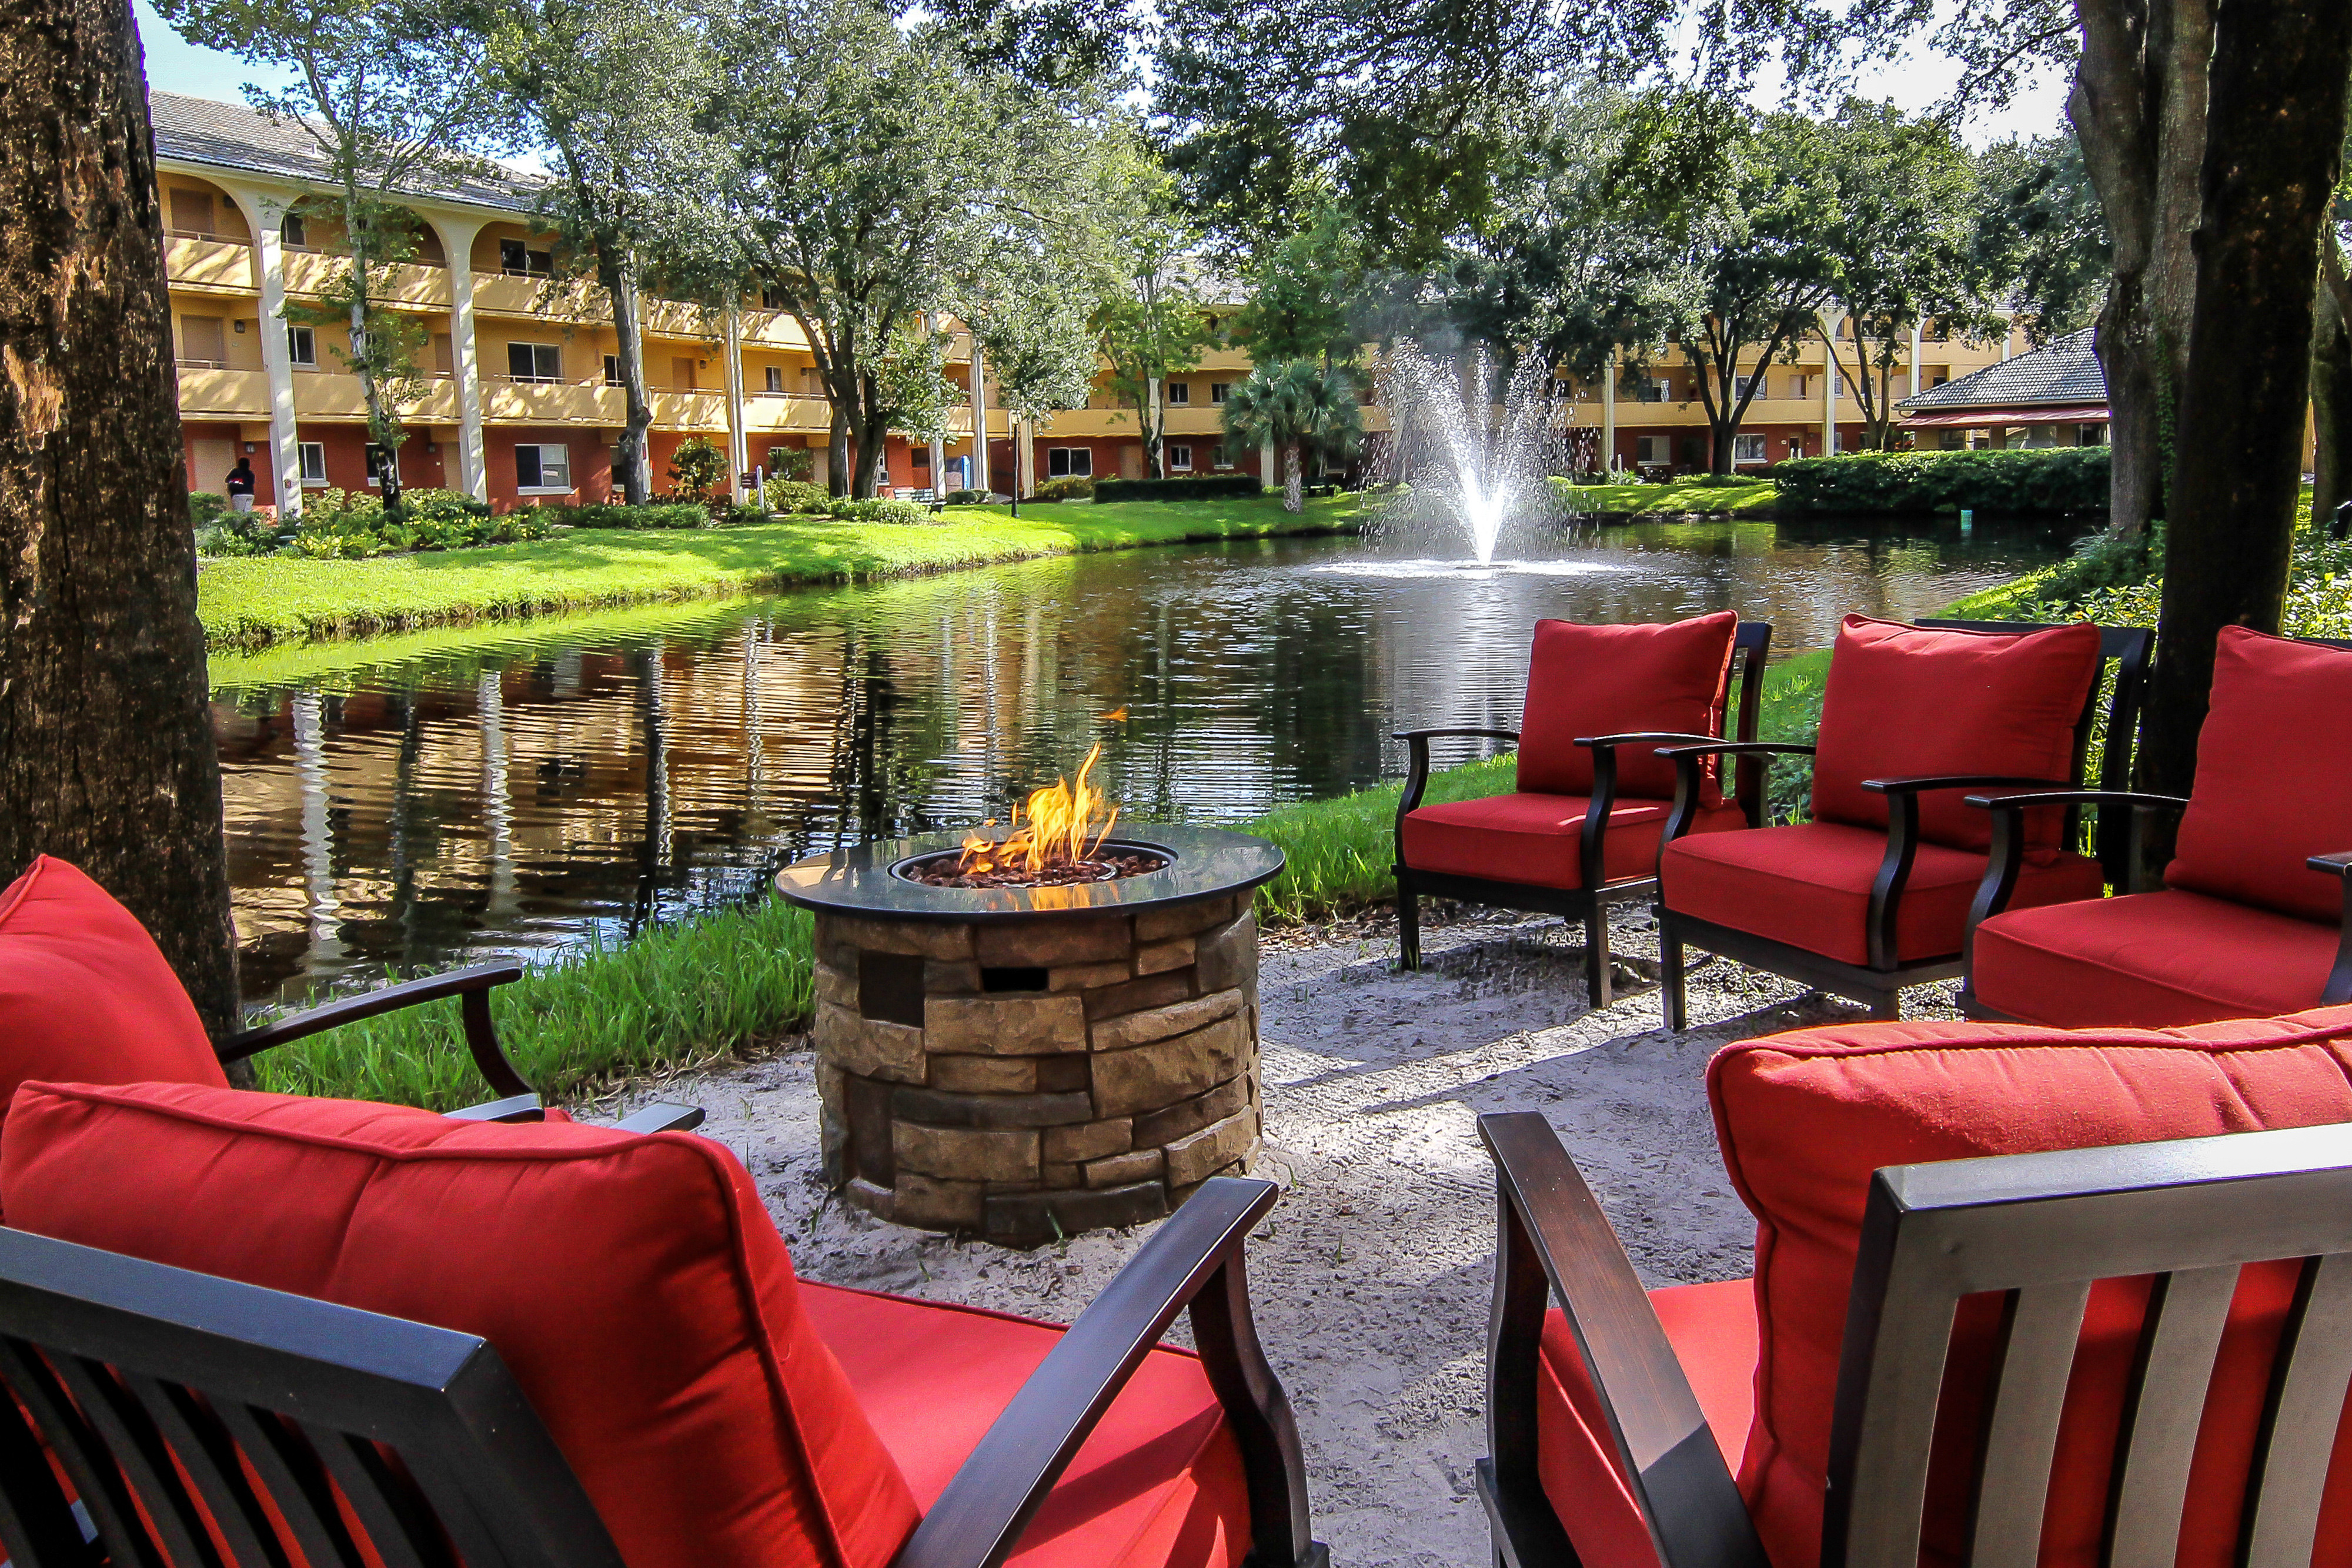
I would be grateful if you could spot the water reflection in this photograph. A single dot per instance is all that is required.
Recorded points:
(572, 780)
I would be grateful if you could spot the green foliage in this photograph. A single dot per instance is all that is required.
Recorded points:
(439, 506)
(966, 498)
(341, 524)
(790, 462)
(1301, 292)
(2040, 232)
(1070, 487)
(2045, 480)
(881, 510)
(698, 466)
(617, 515)
(1295, 405)
(1208, 488)
(206, 507)
(796, 496)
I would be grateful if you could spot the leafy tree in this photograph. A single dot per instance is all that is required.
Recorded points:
(387, 96)
(612, 90)
(698, 467)
(1150, 323)
(2040, 236)
(1900, 233)
(1303, 293)
(1292, 406)
(106, 753)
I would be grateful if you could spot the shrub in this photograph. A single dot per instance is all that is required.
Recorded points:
(2056, 480)
(734, 514)
(698, 466)
(967, 498)
(206, 507)
(796, 496)
(1208, 488)
(794, 462)
(616, 515)
(1072, 488)
(881, 510)
(417, 504)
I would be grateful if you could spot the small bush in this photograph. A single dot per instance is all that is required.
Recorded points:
(418, 505)
(967, 498)
(616, 515)
(881, 510)
(2045, 480)
(206, 507)
(1073, 488)
(698, 466)
(1208, 488)
(735, 515)
(796, 496)
(794, 462)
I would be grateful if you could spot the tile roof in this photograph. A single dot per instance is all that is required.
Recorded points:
(238, 137)
(2066, 371)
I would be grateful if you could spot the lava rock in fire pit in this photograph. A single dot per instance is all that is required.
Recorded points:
(946, 870)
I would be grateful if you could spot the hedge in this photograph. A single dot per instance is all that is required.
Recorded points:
(2052, 479)
(1215, 486)
(676, 515)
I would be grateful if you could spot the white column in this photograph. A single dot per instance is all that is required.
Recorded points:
(1915, 359)
(933, 323)
(738, 454)
(976, 477)
(1024, 462)
(465, 353)
(265, 210)
(2008, 334)
(1609, 412)
(1266, 474)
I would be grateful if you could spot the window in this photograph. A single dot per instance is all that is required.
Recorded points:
(293, 233)
(1740, 384)
(612, 370)
(921, 456)
(774, 378)
(543, 470)
(535, 362)
(1180, 394)
(1225, 457)
(1179, 458)
(1562, 390)
(1220, 391)
(1747, 449)
(2090, 435)
(812, 384)
(1652, 451)
(313, 454)
(1658, 390)
(771, 300)
(378, 461)
(517, 259)
(302, 345)
(1073, 462)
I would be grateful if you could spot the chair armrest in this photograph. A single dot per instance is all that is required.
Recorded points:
(1738, 748)
(2008, 856)
(1554, 1234)
(1461, 734)
(1998, 803)
(662, 1117)
(1416, 779)
(1656, 738)
(1196, 1260)
(1957, 781)
(1687, 760)
(470, 986)
(2339, 988)
(513, 1108)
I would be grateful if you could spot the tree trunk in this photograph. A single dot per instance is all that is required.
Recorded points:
(107, 755)
(836, 460)
(384, 420)
(616, 263)
(1294, 499)
(2331, 384)
(2274, 135)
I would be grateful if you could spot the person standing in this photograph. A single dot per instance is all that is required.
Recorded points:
(240, 486)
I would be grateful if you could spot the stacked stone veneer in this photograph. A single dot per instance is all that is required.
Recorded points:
(1017, 1079)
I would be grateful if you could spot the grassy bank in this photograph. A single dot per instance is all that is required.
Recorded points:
(257, 602)
(704, 989)
(1699, 494)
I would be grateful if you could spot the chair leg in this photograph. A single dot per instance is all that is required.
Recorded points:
(1596, 955)
(1670, 973)
(1887, 1006)
(1408, 928)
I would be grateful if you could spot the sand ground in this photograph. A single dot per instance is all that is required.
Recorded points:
(1371, 1279)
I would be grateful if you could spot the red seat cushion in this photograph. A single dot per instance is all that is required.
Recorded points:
(1158, 1482)
(2274, 777)
(1804, 1118)
(1584, 680)
(1537, 839)
(1713, 1331)
(1809, 886)
(2149, 960)
(1903, 702)
(633, 1284)
(85, 993)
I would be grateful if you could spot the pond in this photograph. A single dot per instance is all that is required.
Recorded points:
(433, 799)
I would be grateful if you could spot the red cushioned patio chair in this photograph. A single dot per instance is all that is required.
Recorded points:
(1873, 893)
(2241, 928)
(547, 1345)
(2052, 1344)
(1580, 832)
(86, 997)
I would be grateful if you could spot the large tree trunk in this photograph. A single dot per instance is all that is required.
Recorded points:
(2331, 384)
(2275, 130)
(107, 755)
(617, 265)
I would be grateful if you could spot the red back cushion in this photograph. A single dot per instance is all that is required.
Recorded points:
(85, 993)
(1804, 1119)
(2274, 777)
(1585, 681)
(633, 1284)
(1904, 702)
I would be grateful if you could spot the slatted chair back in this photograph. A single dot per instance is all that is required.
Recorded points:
(2042, 1229)
(199, 1421)
(2125, 649)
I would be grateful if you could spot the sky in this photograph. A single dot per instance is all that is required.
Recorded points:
(1918, 80)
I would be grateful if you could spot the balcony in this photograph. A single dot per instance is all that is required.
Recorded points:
(210, 392)
(330, 394)
(772, 329)
(1076, 422)
(700, 411)
(673, 318)
(506, 401)
(768, 413)
(567, 298)
(314, 272)
(208, 262)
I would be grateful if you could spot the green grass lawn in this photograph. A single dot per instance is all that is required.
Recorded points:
(1689, 494)
(256, 601)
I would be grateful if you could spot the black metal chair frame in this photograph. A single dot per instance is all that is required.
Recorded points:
(124, 1366)
(516, 1101)
(2039, 1228)
(1880, 982)
(2131, 809)
(1589, 900)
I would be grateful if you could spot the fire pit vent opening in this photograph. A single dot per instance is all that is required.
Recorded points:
(1024, 1062)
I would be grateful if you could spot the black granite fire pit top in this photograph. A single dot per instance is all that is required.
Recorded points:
(1203, 863)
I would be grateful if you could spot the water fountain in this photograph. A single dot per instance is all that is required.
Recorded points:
(1470, 470)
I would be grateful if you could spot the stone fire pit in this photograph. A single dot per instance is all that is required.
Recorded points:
(1026, 1061)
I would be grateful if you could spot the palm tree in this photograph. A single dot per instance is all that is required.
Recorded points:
(1289, 405)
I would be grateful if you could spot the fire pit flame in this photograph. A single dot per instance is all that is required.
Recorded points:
(1059, 819)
